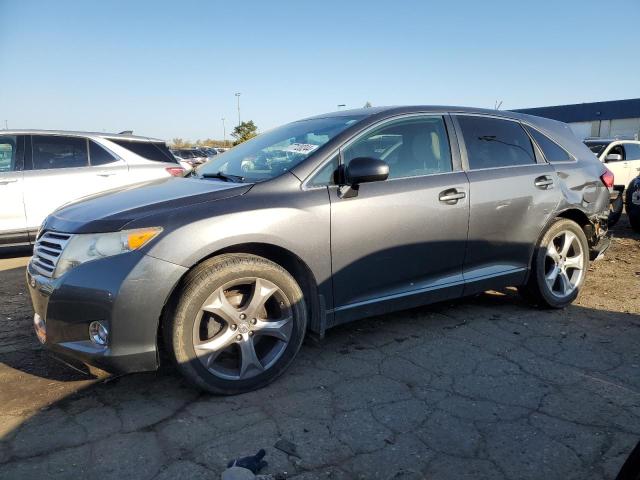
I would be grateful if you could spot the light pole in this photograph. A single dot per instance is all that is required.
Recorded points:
(224, 132)
(238, 97)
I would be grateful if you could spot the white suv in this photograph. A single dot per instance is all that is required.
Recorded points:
(621, 156)
(42, 170)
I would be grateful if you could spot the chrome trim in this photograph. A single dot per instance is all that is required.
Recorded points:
(47, 251)
(379, 123)
(430, 288)
(398, 295)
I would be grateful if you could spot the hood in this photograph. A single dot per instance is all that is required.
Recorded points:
(112, 210)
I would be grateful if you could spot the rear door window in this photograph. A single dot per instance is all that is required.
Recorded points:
(632, 151)
(99, 155)
(551, 150)
(493, 142)
(8, 148)
(155, 151)
(52, 151)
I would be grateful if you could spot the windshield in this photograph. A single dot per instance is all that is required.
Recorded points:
(273, 153)
(596, 148)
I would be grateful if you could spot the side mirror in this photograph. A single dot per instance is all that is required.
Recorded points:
(613, 157)
(365, 169)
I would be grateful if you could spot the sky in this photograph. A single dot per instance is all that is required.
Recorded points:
(171, 69)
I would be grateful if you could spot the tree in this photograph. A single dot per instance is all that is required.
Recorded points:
(244, 132)
(368, 105)
(179, 143)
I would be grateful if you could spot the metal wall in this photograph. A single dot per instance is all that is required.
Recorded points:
(624, 127)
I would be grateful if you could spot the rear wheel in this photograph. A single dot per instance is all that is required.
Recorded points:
(633, 204)
(559, 265)
(237, 324)
(615, 210)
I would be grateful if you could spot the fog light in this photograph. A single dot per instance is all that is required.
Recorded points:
(40, 328)
(98, 333)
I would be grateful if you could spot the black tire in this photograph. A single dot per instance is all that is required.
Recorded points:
(633, 209)
(615, 210)
(198, 286)
(537, 290)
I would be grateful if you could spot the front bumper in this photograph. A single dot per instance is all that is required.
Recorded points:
(126, 291)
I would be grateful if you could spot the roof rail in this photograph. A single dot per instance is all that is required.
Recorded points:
(614, 137)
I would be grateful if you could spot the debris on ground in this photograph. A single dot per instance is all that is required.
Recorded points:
(246, 468)
(287, 447)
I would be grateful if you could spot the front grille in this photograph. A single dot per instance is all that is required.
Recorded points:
(47, 251)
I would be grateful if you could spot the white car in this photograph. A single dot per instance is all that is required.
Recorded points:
(41, 170)
(621, 156)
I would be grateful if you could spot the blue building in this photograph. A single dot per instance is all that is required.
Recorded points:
(597, 119)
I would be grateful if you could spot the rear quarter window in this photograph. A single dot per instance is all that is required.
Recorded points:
(99, 156)
(551, 150)
(154, 151)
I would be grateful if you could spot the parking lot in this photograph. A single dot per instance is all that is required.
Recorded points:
(486, 387)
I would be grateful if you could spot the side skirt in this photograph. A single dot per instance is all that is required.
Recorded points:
(417, 298)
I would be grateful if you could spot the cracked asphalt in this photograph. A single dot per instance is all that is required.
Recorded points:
(486, 387)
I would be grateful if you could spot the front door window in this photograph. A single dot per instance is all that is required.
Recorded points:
(412, 147)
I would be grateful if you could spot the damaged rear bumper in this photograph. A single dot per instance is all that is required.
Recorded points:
(597, 251)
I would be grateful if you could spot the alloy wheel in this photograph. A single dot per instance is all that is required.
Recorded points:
(564, 264)
(243, 328)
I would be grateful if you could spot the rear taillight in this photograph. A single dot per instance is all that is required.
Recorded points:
(607, 178)
(175, 171)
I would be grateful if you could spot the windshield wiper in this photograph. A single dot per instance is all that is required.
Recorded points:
(223, 176)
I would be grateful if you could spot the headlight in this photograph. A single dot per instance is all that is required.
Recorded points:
(93, 246)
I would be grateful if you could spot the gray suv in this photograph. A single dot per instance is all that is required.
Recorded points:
(313, 224)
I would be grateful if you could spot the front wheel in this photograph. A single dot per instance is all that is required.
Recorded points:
(237, 324)
(559, 265)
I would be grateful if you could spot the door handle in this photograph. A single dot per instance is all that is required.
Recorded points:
(451, 196)
(8, 180)
(544, 182)
(105, 174)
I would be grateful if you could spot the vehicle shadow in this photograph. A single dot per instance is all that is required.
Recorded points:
(451, 382)
(19, 347)
(454, 383)
(623, 229)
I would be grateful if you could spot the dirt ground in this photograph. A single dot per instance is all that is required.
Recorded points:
(485, 387)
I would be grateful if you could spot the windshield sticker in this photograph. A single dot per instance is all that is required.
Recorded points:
(301, 148)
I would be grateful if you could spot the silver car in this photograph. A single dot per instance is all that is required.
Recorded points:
(42, 170)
